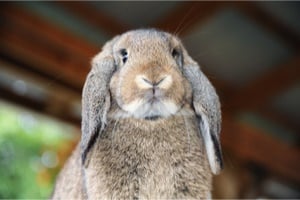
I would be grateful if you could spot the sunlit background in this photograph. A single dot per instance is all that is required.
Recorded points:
(249, 50)
(32, 150)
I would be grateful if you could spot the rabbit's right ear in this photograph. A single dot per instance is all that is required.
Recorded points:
(207, 108)
(96, 97)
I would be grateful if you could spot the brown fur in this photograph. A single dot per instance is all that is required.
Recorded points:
(69, 181)
(161, 159)
(124, 155)
(150, 61)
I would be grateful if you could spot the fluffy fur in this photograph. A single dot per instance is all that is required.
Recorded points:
(150, 124)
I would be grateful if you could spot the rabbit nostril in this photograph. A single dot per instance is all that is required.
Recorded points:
(159, 82)
(147, 81)
(165, 82)
(124, 60)
(143, 82)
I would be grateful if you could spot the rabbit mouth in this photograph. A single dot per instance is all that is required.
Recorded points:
(152, 118)
(153, 100)
(151, 109)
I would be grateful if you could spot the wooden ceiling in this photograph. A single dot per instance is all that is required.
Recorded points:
(44, 65)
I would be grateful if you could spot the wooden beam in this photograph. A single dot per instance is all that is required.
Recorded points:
(26, 49)
(261, 91)
(187, 15)
(21, 64)
(53, 89)
(280, 119)
(9, 95)
(251, 144)
(29, 27)
(95, 17)
(41, 107)
(57, 99)
(54, 34)
(28, 39)
(182, 19)
(270, 23)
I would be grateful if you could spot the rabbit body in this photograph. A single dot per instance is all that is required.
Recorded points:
(139, 159)
(69, 183)
(150, 127)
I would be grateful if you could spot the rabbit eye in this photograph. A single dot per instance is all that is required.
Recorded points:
(124, 55)
(175, 53)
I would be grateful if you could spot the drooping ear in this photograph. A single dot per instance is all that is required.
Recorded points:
(96, 97)
(207, 108)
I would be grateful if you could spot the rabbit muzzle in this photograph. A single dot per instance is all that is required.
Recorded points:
(152, 101)
(149, 91)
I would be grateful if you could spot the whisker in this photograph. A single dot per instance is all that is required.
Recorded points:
(187, 37)
(180, 28)
(216, 51)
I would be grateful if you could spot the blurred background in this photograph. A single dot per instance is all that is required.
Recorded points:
(249, 50)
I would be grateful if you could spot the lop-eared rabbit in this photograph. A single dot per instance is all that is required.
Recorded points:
(150, 124)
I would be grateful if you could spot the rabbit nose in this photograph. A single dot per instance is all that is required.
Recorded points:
(145, 83)
(154, 84)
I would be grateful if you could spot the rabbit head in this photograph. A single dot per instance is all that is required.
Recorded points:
(148, 82)
(149, 75)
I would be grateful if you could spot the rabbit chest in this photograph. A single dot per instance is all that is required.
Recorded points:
(152, 159)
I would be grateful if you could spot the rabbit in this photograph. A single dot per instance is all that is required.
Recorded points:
(151, 124)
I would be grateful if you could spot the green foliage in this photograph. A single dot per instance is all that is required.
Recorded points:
(29, 159)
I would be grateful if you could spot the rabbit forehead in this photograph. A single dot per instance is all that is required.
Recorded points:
(147, 40)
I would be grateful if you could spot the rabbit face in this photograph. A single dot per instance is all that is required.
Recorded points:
(148, 82)
(148, 74)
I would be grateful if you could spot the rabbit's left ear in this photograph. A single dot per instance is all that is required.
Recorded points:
(96, 97)
(207, 107)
